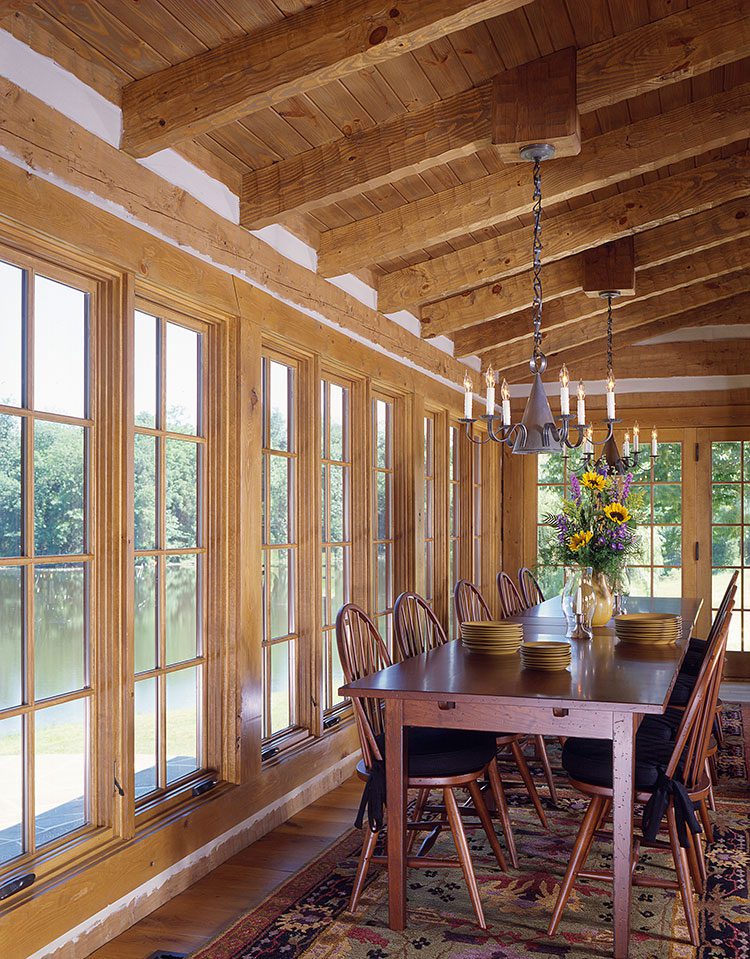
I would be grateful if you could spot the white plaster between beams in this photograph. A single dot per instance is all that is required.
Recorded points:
(702, 334)
(662, 384)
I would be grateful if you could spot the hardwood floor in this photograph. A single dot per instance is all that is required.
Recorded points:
(196, 915)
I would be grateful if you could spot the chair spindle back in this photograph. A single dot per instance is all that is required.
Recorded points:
(416, 627)
(531, 591)
(511, 603)
(469, 602)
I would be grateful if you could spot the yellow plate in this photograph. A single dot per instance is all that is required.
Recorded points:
(546, 669)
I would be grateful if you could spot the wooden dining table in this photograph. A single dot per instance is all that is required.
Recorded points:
(609, 687)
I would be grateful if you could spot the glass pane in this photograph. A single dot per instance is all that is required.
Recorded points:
(726, 505)
(11, 795)
(183, 363)
(279, 418)
(668, 504)
(747, 459)
(338, 517)
(326, 613)
(183, 710)
(726, 461)
(145, 613)
(146, 779)
(281, 501)
(549, 500)
(281, 589)
(381, 480)
(667, 546)
(384, 590)
(725, 546)
(182, 609)
(644, 542)
(640, 581)
(747, 502)
(60, 770)
(719, 582)
(337, 673)
(144, 491)
(550, 468)
(339, 577)
(382, 438)
(145, 374)
(10, 485)
(11, 334)
(59, 348)
(551, 580)
(339, 439)
(667, 582)
(59, 628)
(59, 483)
(11, 638)
(182, 494)
(734, 642)
(429, 447)
(280, 692)
(668, 466)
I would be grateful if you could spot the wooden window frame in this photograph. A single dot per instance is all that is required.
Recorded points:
(390, 542)
(429, 539)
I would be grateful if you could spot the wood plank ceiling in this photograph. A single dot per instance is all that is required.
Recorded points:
(431, 216)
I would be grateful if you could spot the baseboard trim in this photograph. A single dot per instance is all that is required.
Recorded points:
(90, 935)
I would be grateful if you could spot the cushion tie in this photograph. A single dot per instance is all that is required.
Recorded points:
(373, 797)
(656, 807)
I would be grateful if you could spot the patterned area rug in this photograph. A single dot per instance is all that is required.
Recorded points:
(307, 917)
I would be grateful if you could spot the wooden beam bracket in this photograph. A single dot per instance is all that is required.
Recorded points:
(610, 268)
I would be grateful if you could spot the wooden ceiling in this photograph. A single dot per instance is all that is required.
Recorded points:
(383, 159)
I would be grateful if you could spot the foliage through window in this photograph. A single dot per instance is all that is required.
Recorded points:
(429, 509)
(383, 529)
(730, 533)
(454, 519)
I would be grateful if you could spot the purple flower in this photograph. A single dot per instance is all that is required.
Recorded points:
(626, 484)
(575, 487)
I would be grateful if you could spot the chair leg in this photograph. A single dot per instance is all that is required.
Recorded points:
(464, 856)
(603, 815)
(699, 854)
(708, 828)
(486, 820)
(528, 782)
(683, 876)
(501, 805)
(718, 730)
(541, 751)
(583, 842)
(363, 866)
(692, 858)
(422, 797)
(710, 775)
(714, 771)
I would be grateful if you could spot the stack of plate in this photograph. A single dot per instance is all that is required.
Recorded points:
(648, 628)
(546, 654)
(498, 638)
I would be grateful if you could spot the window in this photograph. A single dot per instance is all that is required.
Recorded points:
(170, 555)
(336, 536)
(279, 513)
(455, 519)
(383, 527)
(660, 571)
(47, 565)
(477, 507)
(429, 509)
(553, 477)
(730, 534)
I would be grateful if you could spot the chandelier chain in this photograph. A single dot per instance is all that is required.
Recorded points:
(610, 367)
(537, 258)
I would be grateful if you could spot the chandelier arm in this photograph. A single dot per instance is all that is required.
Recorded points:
(476, 440)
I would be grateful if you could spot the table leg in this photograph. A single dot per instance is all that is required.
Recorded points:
(396, 760)
(622, 768)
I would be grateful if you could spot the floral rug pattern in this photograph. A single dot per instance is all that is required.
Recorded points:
(307, 916)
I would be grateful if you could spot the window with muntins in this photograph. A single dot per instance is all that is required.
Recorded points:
(383, 527)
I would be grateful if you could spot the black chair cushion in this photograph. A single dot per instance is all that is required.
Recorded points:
(446, 752)
(590, 760)
(662, 727)
(694, 657)
(683, 687)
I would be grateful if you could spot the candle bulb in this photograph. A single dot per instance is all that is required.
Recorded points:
(564, 391)
(468, 398)
(579, 600)
(489, 378)
(505, 396)
(581, 403)
(588, 442)
(654, 445)
(636, 437)
(626, 445)
(611, 394)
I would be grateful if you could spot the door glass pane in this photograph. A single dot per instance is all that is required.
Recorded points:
(11, 794)
(280, 698)
(182, 608)
(183, 358)
(59, 348)
(60, 770)
(281, 596)
(183, 692)
(11, 332)
(146, 779)
(59, 482)
(182, 494)
(10, 484)
(730, 543)
(144, 491)
(281, 469)
(59, 629)
(145, 613)
(279, 418)
(11, 637)
(145, 369)
(339, 440)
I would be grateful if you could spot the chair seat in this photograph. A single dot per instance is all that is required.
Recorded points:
(694, 657)
(446, 752)
(662, 727)
(683, 687)
(590, 760)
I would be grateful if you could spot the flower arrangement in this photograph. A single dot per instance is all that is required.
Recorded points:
(597, 524)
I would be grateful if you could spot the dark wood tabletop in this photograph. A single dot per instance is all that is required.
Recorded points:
(603, 671)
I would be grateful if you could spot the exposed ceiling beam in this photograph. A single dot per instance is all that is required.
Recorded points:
(636, 210)
(9, 7)
(317, 46)
(514, 332)
(513, 360)
(620, 154)
(715, 358)
(677, 46)
(562, 277)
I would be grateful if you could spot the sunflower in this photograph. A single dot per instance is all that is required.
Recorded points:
(579, 539)
(617, 513)
(594, 481)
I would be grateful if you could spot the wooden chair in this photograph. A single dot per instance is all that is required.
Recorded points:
(438, 759)
(531, 591)
(684, 757)
(471, 607)
(511, 603)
